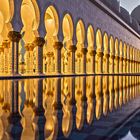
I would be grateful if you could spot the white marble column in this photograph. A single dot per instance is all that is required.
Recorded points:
(92, 54)
(57, 47)
(6, 46)
(72, 49)
(99, 57)
(111, 61)
(106, 63)
(39, 43)
(14, 38)
(1, 60)
(84, 51)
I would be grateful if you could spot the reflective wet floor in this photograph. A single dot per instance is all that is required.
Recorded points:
(72, 108)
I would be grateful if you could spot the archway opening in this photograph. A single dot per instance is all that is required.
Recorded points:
(105, 60)
(66, 55)
(99, 52)
(80, 35)
(116, 62)
(90, 59)
(30, 19)
(52, 26)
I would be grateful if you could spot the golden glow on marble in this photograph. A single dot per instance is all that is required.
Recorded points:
(102, 53)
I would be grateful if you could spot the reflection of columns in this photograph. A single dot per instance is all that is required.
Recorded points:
(92, 54)
(14, 98)
(1, 60)
(84, 51)
(6, 45)
(15, 127)
(38, 43)
(72, 50)
(39, 97)
(98, 94)
(58, 46)
(39, 118)
(14, 38)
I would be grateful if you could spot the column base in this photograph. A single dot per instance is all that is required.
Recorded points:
(58, 73)
(40, 74)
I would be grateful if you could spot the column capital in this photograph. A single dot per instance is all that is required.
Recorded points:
(29, 46)
(72, 48)
(125, 59)
(49, 54)
(84, 51)
(1, 49)
(5, 44)
(58, 45)
(39, 41)
(121, 58)
(112, 56)
(100, 53)
(117, 57)
(14, 36)
(92, 52)
(106, 55)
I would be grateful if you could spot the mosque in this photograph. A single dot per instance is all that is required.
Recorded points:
(88, 51)
(71, 37)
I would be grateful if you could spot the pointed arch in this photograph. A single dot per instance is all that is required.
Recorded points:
(67, 26)
(125, 50)
(99, 40)
(90, 37)
(111, 44)
(51, 21)
(29, 8)
(121, 48)
(106, 43)
(80, 32)
(116, 47)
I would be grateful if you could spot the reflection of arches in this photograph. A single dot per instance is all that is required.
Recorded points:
(52, 26)
(90, 55)
(29, 8)
(67, 43)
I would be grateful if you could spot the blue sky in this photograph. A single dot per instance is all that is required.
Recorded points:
(129, 4)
